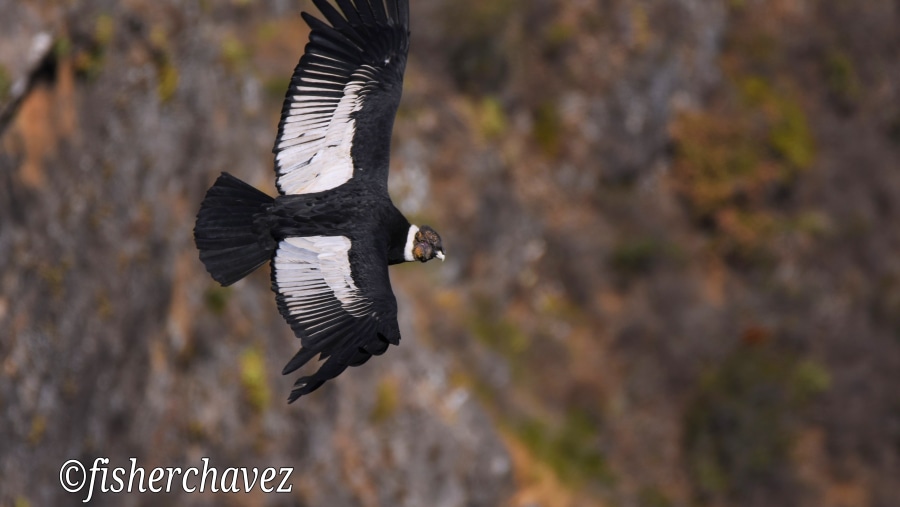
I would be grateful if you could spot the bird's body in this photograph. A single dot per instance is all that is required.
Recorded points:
(354, 210)
(333, 230)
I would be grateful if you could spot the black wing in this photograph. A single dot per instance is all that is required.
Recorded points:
(339, 110)
(342, 314)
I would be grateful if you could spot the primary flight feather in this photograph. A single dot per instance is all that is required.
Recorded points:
(333, 230)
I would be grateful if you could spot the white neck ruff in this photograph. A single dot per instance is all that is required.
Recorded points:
(410, 243)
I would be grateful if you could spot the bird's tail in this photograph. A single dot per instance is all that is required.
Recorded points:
(231, 231)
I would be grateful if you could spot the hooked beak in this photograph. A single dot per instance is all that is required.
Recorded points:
(441, 256)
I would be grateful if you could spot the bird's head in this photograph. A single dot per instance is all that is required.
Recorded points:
(427, 245)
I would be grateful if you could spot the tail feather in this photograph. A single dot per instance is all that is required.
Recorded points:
(229, 233)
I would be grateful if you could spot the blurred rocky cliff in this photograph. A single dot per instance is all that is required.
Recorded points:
(672, 279)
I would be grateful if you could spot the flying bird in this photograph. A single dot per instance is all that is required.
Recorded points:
(332, 231)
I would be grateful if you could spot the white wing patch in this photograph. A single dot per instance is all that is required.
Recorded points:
(310, 268)
(313, 149)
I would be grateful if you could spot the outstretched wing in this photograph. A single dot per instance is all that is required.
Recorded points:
(339, 110)
(345, 319)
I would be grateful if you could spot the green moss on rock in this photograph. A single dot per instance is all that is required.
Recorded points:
(732, 163)
(387, 400)
(570, 449)
(740, 426)
(5, 83)
(216, 299)
(253, 379)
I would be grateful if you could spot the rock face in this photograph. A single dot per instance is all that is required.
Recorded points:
(671, 237)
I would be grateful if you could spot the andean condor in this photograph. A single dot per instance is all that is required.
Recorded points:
(333, 230)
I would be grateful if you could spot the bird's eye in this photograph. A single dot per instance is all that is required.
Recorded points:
(423, 251)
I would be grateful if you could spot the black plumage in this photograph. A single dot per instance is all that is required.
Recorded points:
(333, 230)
